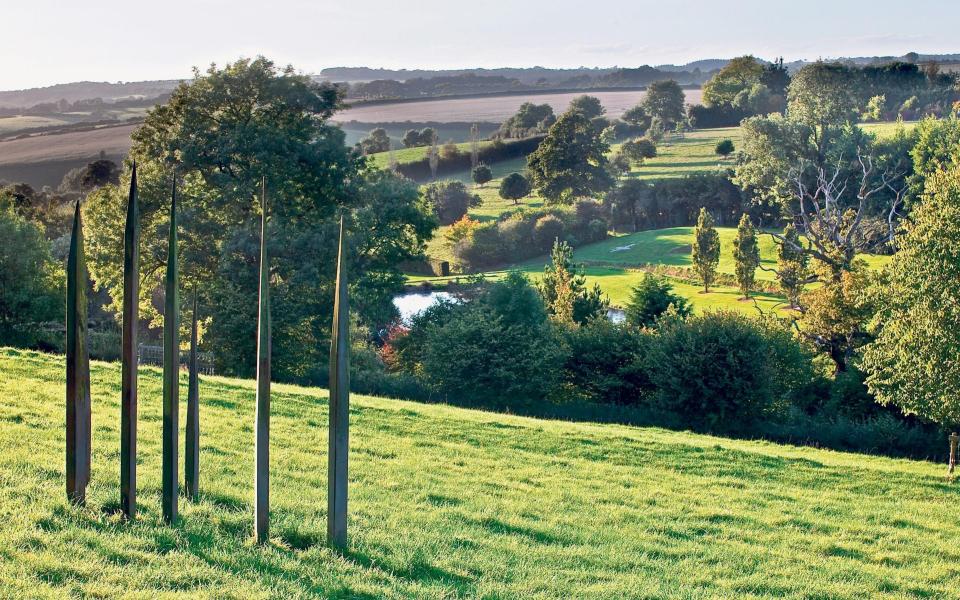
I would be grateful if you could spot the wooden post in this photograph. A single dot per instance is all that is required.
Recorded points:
(78, 369)
(339, 442)
(953, 452)
(261, 484)
(171, 370)
(128, 383)
(191, 474)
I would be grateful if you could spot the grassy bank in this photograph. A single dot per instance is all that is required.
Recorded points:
(448, 502)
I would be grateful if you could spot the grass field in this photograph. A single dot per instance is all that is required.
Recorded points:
(453, 503)
(613, 264)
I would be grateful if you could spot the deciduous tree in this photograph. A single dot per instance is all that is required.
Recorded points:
(571, 161)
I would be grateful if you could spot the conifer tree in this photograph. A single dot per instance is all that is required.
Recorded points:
(706, 249)
(746, 254)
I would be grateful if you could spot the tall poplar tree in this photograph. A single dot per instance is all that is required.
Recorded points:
(706, 249)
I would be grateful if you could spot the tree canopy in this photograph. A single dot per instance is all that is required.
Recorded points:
(571, 161)
(664, 101)
(913, 361)
(219, 135)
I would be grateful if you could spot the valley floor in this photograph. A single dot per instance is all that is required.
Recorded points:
(451, 503)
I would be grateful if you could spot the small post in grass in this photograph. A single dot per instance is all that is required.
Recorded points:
(78, 369)
(128, 378)
(171, 369)
(954, 438)
(339, 444)
(191, 470)
(261, 468)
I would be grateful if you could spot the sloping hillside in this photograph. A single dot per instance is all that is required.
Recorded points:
(455, 503)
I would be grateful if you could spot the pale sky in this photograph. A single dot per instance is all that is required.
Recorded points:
(50, 41)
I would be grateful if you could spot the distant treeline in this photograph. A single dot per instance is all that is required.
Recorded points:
(92, 105)
(473, 83)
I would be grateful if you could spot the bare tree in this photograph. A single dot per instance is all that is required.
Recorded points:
(433, 156)
(830, 205)
(474, 146)
(392, 163)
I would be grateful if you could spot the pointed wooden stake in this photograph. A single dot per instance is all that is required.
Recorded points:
(339, 443)
(191, 475)
(78, 369)
(261, 484)
(128, 384)
(171, 370)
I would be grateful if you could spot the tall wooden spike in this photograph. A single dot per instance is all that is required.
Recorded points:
(191, 469)
(128, 384)
(171, 369)
(339, 442)
(78, 369)
(261, 484)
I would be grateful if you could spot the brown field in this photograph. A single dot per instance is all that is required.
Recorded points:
(66, 146)
(43, 159)
(494, 109)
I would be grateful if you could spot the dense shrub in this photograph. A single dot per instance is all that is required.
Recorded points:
(639, 149)
(651, 298)
(708, 117)
(529, 119)
(525, 233)
(450, 200)
(546, 231)
(481, 174)
(724, 148)
(724, 371)
(605, 363)
(30, 281)
(496, 351)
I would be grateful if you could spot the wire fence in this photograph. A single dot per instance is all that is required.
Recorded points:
(153, 355)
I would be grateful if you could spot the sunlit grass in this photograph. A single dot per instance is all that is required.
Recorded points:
(450, 503)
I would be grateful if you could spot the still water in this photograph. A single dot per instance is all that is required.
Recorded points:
(413, 303)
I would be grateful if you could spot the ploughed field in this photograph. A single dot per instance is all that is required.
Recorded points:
(493, 108)
(447, 502)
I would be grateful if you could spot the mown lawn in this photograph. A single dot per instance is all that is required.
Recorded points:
(613, 264)
(451, 503)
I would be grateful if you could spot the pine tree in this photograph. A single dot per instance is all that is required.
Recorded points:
(564, 289)
(706, 249)
(746, 254)
(791, 265)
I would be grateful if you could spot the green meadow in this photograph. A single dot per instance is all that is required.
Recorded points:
(618, 263)
(454, 503)
(617, 270)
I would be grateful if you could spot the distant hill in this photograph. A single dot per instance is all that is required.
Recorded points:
(531, 75)
(693, 73)
(707, 64)
(86, 90)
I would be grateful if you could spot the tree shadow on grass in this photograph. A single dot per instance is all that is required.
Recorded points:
(417, 571)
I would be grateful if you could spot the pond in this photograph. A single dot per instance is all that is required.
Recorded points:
(413, 303)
